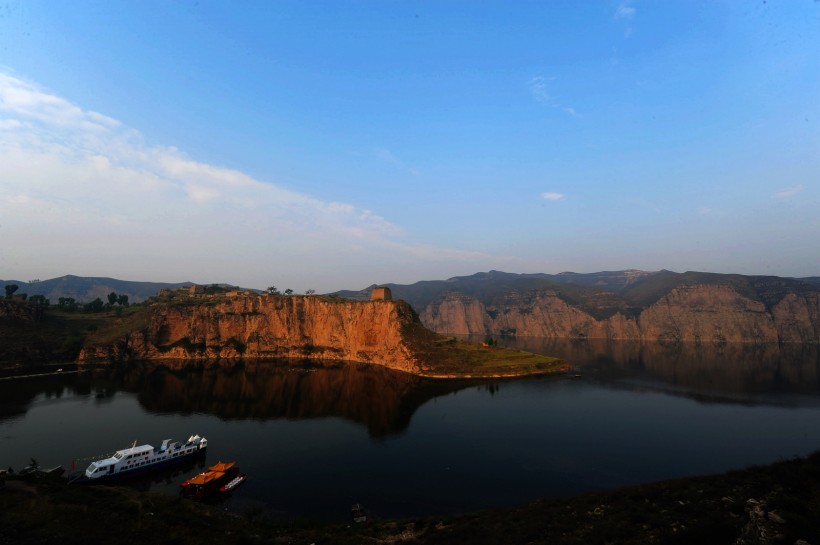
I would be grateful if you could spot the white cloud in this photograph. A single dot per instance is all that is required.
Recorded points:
(789, 193)
(540, 89)
(83, 194)
(552, 196)
(625, 11)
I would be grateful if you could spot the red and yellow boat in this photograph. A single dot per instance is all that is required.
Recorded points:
(220, 477)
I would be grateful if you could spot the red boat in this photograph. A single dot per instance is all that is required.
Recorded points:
(217, 478)
(233, 483)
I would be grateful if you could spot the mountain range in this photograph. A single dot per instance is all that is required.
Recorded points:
(601, 293)
(666, 306)
(87, 288)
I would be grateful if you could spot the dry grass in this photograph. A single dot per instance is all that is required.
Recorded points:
(450, 357)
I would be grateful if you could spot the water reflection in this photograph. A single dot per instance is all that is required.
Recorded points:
(426, 450)
(17, 394)
(384, 400)
(381, 399)
(744, 372)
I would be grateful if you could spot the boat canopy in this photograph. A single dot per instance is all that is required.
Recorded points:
(205, 478)
(216, 471)
(222, 466)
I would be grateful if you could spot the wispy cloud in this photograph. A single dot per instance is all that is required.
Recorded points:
(540, 89)
(552, 196)
(789, 193)
(88, 193)
(391, 158)
(625, 10)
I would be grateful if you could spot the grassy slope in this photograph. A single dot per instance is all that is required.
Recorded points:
(448, 357)
(716, 509)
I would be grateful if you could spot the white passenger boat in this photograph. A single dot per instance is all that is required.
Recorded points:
(142, 458)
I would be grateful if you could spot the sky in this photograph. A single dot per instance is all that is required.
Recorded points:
(334, 145)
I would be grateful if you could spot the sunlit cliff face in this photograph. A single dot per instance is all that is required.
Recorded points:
(271, 327)
(702, 314)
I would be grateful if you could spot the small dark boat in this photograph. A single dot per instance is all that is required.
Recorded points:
(34, 469)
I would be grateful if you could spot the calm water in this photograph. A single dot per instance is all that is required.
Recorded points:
(314, 440)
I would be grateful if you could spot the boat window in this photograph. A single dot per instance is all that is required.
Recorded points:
(118, 456)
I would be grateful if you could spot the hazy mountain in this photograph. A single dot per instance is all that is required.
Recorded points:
(666, 306)
(599, 293)
(84, 289)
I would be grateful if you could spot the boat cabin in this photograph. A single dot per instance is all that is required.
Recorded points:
(139, 457)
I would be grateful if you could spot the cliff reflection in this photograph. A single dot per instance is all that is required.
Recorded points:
(381, 399)
(699, 371)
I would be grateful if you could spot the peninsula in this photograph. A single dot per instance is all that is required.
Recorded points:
(197, 324)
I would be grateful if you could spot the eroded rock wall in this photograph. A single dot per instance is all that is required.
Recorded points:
(265, 327)
(707, 314)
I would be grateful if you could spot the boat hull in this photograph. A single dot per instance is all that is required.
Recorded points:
(233, 484)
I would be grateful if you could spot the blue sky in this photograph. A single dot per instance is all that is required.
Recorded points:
(333, 145)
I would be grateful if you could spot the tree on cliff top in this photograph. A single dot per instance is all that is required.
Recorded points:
(11, 288)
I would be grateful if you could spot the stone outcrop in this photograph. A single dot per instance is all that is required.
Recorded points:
(708, 314)
(712, 314)
(265, 326)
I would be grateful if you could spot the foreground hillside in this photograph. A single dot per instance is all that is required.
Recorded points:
(30, 334)
(777, 504)
(668, 307)
(236, 325)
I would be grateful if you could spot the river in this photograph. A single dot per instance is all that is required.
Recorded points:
(317, 438)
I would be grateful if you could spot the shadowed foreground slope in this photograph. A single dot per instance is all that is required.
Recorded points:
(764, 505)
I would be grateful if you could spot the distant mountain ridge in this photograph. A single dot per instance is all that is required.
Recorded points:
(619, 305)
(87, 288)
(634, 287)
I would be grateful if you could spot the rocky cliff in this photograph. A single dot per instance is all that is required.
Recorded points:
(701, 313)
(244, 325)
(264, 327)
